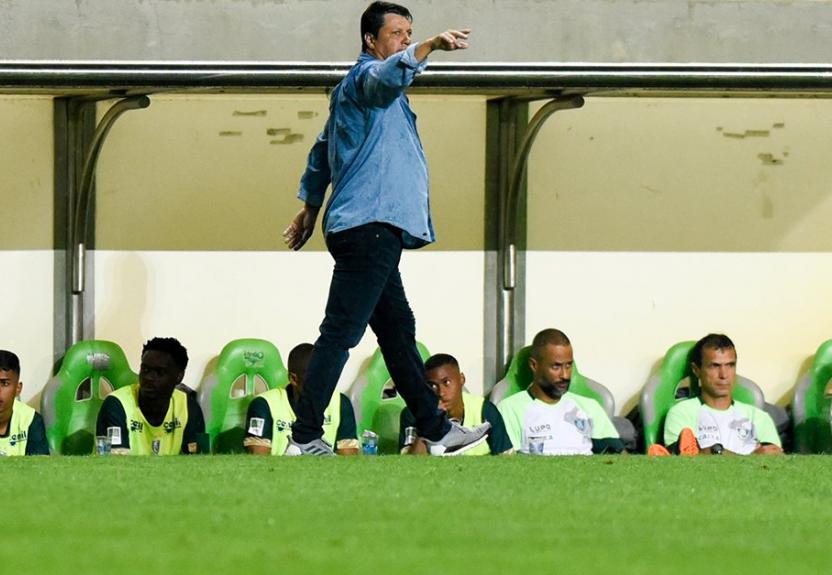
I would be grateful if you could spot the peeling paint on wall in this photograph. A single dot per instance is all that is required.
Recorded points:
(289, 139)
(256, 113)
(231, 133)
(306, 114)
(284, 136)
(769, 159)
(746, 134)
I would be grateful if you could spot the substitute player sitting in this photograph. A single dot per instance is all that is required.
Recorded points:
(270, 414)
(448, 382)
(152, 417)
(546, 418)
(21, 427)
(713, 423)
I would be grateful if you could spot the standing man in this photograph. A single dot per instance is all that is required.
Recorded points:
(21, 428)
(369, 150)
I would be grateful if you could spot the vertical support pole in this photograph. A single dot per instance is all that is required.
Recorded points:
(506, 120)
(510, 137)
(73, 129)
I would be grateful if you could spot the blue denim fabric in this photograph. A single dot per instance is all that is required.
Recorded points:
(366, 289)
(370, 151)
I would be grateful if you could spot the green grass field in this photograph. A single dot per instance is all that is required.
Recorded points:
(239, 514)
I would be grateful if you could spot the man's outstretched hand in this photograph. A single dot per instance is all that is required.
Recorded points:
(448, 41)
(301, 227)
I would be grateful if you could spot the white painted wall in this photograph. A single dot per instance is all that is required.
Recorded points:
(26, 320)
(207, 299)
(623, 310)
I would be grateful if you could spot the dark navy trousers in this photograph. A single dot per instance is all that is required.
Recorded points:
(367, 289)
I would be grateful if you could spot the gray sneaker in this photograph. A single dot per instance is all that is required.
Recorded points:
(458, 440)
(314, 447)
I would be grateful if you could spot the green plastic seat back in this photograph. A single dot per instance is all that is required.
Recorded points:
(90, 370)
(811, 406)
(377, 405)
(519, 377)
(244, 369)
(659, 395)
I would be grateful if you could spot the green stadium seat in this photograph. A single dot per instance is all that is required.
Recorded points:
(377, 404)
(90, 370)
(812, 403)
(244, 369)
(519, 377)
(659, 394)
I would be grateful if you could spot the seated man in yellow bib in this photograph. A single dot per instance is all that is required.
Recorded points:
(270, 414)
(21, 427)
(442, 373)
(152, 417)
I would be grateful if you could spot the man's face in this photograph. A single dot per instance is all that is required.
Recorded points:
(447, 381)
(392, 38)
(553, 370)
(718, 371)
(158, 375)
(9, 389)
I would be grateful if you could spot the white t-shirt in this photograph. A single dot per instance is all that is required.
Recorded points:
(565, 428)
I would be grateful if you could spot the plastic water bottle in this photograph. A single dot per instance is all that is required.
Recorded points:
(103, 445)
(369, 443)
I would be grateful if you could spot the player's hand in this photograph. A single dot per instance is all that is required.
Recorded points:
(301, 227)
(451, 40)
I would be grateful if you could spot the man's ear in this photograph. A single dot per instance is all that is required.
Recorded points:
(19, 389)
(532, 363)
(462, 377)
(369, 41)
(293, 379)
(695, 369)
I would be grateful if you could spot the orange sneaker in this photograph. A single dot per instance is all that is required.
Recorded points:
(687, 442)
(657, 450)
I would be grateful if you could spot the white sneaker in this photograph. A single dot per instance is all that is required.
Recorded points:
(458, 440)
(314, 447)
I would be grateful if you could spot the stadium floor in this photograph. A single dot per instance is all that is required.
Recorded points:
(239, 514)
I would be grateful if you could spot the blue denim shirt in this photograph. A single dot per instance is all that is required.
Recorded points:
(370, 151)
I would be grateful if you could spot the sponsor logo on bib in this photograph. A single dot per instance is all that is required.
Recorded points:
(256, 425)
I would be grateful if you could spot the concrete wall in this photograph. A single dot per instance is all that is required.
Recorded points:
(505, 30)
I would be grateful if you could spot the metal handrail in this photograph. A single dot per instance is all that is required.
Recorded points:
(62, 77)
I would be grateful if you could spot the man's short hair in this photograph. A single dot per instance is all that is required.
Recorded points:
(710, 341)
(373, 18)
(170, 346)
(439, 360)
(9, 362)
(546, 337)
(299, 359)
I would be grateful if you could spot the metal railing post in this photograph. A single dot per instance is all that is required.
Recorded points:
(80, 221)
